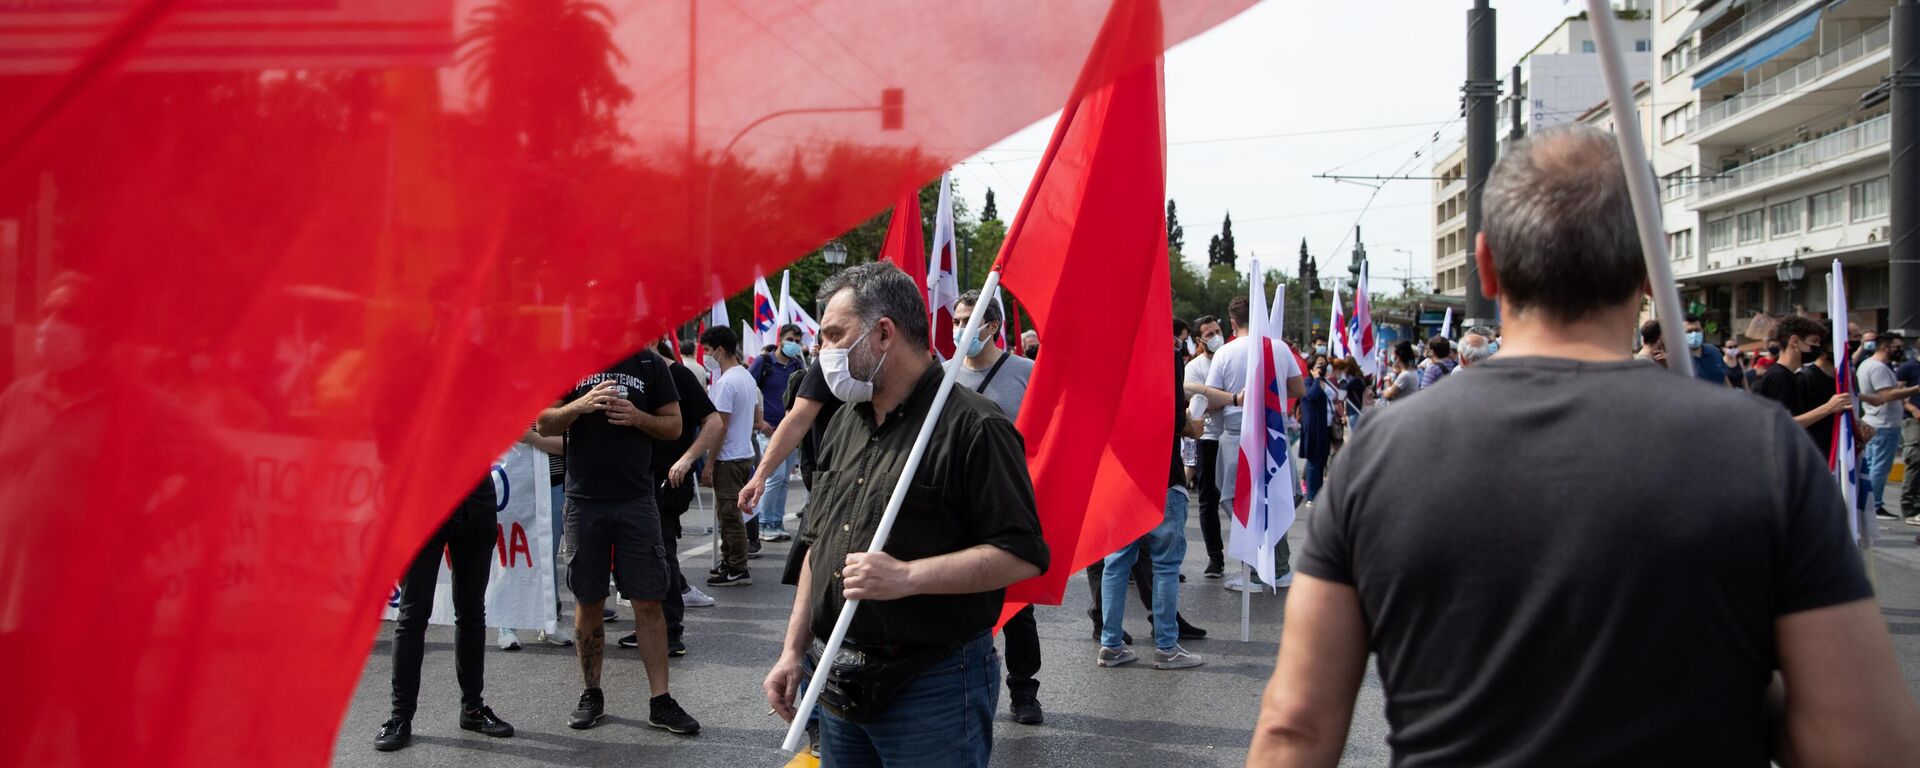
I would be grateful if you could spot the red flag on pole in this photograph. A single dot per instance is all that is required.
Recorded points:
(902, 245)
(1088, 255)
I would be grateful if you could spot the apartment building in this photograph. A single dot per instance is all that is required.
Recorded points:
(1780, 109)
(1556, 82)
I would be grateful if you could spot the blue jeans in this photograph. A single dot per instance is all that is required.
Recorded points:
(1167, 545)
(943, 719)
(1316, 475)
(1879, 459)
(773, 505)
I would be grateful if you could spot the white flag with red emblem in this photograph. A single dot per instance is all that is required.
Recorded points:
(943, 284)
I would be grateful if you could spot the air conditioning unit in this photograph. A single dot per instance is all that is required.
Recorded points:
(1746, 260)
(1879, 233)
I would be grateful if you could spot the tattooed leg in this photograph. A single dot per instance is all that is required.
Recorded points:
(590, 640)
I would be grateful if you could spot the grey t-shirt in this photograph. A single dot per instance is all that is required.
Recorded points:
(1007, 388)
(1875, 376)
(1564, 563)
(1405, 383)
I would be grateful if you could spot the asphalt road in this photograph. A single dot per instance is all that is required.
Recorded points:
(1095, 717)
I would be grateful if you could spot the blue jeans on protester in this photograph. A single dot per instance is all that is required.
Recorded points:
(943, 719)
(1167, 546)
(773, 505)
(1879, 463)
(1316, 475)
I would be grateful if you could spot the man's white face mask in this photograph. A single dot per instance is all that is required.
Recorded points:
(837, 366)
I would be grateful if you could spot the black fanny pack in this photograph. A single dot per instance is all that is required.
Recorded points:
(861, 684)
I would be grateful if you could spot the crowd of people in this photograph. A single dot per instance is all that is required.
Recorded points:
(1597, 583)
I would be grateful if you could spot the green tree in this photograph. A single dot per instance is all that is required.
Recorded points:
(1221, 251)
(991, 212)
(1176, 234)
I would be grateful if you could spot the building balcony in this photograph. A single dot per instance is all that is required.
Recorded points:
(1781, 102)
(1455, 187)
(1759, 17)
(1841, 149)
(1458, 221)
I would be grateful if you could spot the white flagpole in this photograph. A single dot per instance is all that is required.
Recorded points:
(1646, 202)
(1246, 603)
(797, 730)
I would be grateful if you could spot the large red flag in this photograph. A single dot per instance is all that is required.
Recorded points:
(1088, 256)
(270, 301)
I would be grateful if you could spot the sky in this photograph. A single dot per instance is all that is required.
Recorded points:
(1258, 105)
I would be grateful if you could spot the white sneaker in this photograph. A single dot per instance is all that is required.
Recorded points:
(1241, 584)
(562, 638)
(508, 640)
(694, 598)
(1178, 658)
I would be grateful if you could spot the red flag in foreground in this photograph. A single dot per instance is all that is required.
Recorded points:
(300, 272)
(1088, 256)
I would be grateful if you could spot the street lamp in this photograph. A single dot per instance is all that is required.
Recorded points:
(1789, 273)
(835, 253)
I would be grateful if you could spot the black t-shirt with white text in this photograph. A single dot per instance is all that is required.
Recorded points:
(1563, 588)
(607, 461)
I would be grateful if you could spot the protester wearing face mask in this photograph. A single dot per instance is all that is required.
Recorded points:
(967, 529)
(1884, 397)
(730, 462)
(1799, 340)
(1207, 448)
(1707, 367)
(1319, 345)
(1002, 378)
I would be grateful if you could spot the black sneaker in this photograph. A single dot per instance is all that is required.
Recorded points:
(593, 706)
(1189, 631)
(632, 640)
(1883, 514)
(394, 734)
(665, 713)
(608, 614)
(738, 578)
(1027, 712)
(1215, 569)
(484, 721)
(676, 647)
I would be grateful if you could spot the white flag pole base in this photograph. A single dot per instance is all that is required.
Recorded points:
(797, 730)
(1246, 604)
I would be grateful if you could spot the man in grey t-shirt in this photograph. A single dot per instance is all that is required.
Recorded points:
(1601, 605)
(1882, 396)
(1002, 378)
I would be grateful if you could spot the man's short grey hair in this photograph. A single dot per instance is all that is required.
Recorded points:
(1484, 331)
(1560, 224)
(972, 299)
(1475, 349)
(881, 290)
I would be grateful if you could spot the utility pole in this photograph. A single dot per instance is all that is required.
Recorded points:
(1482, 93)
(1518, 128)
(1903, 249)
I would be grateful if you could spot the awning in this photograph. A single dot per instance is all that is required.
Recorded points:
(1709, 15)
(1763, 50)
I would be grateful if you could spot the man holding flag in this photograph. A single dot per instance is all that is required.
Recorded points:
(1237, 383)
(1605, 607)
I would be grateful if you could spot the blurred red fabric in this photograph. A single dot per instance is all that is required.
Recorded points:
(283, 277)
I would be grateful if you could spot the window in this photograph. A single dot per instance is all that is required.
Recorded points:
(1586, 46)
(1677, 60)
(1752, 225)
(1720, 234)
(1680, 244)
(1826, 209)
(1642, 46)
(1676, 185)
(1673, 124)
(1785, 218)
(1868, 199)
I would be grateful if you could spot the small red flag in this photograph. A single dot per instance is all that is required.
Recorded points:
(902, 245)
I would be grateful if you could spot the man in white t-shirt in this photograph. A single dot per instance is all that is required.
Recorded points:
(730, 464)
(1226, 389)
(1882, 396)
(1207, 448)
